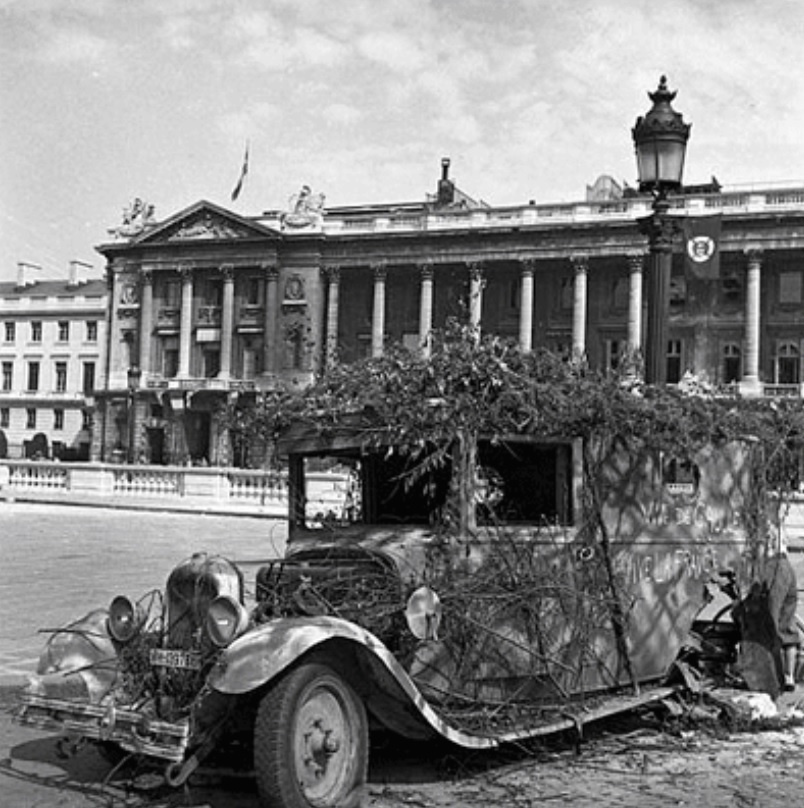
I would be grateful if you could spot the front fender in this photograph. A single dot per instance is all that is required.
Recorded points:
(262, 654)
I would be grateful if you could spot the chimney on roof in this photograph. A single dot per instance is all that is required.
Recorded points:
(22, 279)
(73, 280)
(446, 187)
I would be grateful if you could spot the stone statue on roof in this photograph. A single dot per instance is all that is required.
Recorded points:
(137, 217)
(305, 209)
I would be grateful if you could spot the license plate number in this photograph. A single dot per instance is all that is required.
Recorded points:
(168, 658)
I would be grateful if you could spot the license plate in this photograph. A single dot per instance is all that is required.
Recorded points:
(168, 658)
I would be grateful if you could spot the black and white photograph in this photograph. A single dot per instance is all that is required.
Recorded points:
(401, 403)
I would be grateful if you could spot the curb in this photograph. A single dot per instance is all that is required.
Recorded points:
(198, 508)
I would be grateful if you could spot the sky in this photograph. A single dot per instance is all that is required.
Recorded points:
(104, 101)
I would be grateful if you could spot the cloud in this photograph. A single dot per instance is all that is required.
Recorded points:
(394, 51)
(337, 114)
(177, 33)
(247, 123)
(74, 46)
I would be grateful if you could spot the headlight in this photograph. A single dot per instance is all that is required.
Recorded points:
(423, 613)
(227, 619)
(125, 619)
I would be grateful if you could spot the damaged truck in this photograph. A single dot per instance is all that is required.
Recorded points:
(474, 586)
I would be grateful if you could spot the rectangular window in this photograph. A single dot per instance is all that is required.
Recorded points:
(213, 292)
(58, 419)
(36, 331)
(8, 376)
(678, 292)
(61, 377)
(92, 331)
(33, 377)
(64, 330)
(30, 418)
(514, 292)
(88, 381)
(172, 294)
(566, 294)
(86, 420)
(249, 363)
(614, 349)
(790, 287)
(619, 294)
(11, 332)
(253, 292)
(731, 288)
(170, 363)
(5, 418)
(212, 363)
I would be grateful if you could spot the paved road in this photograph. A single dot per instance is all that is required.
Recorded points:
(59, 562)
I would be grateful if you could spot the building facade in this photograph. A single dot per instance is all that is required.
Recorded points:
(52, 333)
(213, 307)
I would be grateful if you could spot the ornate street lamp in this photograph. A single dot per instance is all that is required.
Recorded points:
(660, 139)
(134, 375)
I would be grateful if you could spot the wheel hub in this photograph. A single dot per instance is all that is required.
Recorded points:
(320, 744)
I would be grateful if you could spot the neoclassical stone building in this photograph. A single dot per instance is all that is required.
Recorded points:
(212, 307)
(52, 333)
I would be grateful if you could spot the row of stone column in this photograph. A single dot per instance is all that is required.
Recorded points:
(580, 264)
(476, 287)
(227, 324)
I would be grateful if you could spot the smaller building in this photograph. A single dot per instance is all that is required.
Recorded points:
(52, 334)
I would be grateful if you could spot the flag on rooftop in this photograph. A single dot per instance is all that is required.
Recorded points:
(243, 171)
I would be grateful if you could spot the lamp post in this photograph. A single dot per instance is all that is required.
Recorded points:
(133, 376)
(660, 139)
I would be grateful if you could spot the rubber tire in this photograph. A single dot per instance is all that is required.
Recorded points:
(286, 719)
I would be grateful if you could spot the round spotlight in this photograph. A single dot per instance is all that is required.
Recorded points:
(227, 619)
(125, 619)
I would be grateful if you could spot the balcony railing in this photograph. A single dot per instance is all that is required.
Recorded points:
(251, 315)
(782, 390)
(209, 315)
(729, 200)
(167, 315)
(195, 384)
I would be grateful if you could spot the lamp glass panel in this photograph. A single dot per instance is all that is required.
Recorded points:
(670, 161)
(647, 162)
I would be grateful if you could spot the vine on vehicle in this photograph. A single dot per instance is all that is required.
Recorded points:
(434, 410)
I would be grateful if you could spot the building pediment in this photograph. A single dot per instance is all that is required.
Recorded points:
(203, 221)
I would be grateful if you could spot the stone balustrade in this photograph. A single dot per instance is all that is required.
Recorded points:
(729, 201)
(219, 490)
(40, 476)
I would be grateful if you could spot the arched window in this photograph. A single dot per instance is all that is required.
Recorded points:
(732, 363)
(674, 357)
(787, 365)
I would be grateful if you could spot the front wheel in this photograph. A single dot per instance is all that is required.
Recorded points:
(310, 741)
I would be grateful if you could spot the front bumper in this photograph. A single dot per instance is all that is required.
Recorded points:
(131, 730)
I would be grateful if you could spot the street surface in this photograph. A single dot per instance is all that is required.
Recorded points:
(59, 562)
